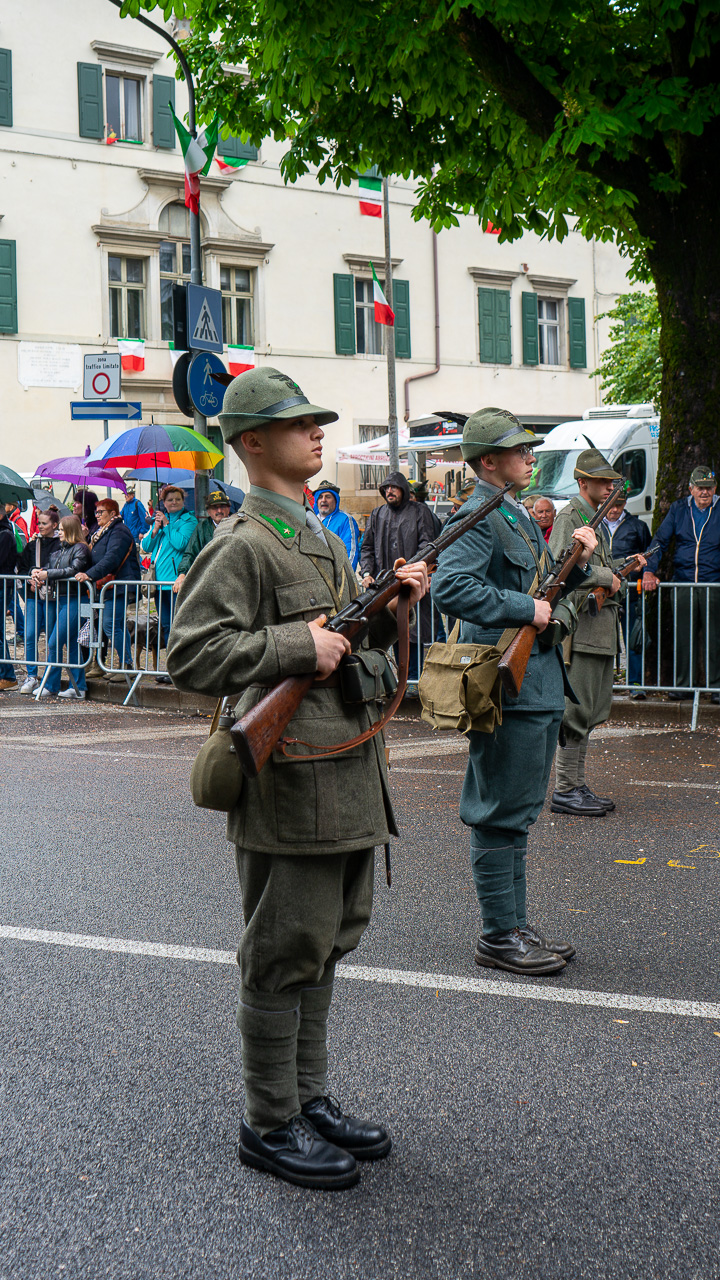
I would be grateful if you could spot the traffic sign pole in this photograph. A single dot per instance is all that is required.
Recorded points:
(108, 492)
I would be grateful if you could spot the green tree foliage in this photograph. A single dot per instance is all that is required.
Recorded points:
(631, 368)
(531, 114)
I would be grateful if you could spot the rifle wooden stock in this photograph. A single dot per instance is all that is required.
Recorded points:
(600, 594)
(255, 737)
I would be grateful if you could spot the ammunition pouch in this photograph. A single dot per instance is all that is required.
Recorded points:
(366, 676)
(561, 627)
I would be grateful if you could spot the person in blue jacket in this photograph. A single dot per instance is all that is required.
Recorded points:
(167, 541)
(694, 523)
(327, 508)
(134, 514)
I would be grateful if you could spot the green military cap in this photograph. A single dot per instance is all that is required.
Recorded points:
(263, 396)
(703, 477)
(592, 466)
(217, 499)
(491, 429)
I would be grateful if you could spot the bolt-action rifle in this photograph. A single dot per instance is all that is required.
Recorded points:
(513, 664)
(261, 730)
(597, 598)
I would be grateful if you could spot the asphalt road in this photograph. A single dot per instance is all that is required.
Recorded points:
(532, 1136)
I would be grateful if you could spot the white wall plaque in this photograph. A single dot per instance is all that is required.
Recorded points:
(49, 364)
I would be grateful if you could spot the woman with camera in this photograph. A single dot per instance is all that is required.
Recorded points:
(36, 555)
(70, 557)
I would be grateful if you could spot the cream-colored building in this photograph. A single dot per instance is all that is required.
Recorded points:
(93, 236)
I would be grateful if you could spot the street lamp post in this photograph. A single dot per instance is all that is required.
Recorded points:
(202, 486)
(390, 340)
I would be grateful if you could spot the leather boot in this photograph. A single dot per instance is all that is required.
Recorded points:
(575, 802)
(362, 1138)
(94, 671)
(564, 949)
(296, 1153)
(605, 801)
(512, 952)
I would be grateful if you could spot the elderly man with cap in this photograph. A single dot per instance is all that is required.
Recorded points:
(594, 644)
(326, 499)
(134, 514)
(694, 523)
(628, 536)
(218, 508)
(488, 579)
(251, 613)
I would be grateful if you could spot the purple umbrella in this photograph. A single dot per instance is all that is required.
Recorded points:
(80, 472)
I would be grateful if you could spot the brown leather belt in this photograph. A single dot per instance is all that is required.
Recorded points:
(330, 682)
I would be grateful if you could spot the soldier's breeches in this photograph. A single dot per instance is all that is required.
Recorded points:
(508, 773)
(302, 914)
(591, 676)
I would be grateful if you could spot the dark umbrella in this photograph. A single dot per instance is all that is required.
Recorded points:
(44, 499)
(13, 488)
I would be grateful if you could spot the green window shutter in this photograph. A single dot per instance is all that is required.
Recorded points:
(90, 100)
(576, 329)
(344, 288)
(530, 328)
(5, 87)
(235, 149)
(8, 288)
(163, 100)
(401, 307)
(494, 315)
(503, 346)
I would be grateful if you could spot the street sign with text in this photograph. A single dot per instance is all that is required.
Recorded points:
(114, 410)
(204, 319)
(101, 376)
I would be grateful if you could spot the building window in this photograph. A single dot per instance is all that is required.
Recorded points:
(371, 476)
(549, 330)
(126, 278)
(174, 261)
(236, 284)
(123, 107)
(369, 335)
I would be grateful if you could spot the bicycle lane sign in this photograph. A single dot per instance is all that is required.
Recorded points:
(205, 392)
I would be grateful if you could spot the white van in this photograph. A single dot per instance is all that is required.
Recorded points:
(626, 434)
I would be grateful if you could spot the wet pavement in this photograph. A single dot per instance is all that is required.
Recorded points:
(531, 1134)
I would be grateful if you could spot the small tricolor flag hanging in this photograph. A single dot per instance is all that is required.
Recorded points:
(369, 208)
(240, 358)
(383, 314)
(197, 155)
(175, 355)
(227, 164)
(132, 354)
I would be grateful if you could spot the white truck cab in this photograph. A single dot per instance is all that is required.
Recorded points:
(626, 434)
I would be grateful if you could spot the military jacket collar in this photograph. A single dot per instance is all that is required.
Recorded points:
(280, 525)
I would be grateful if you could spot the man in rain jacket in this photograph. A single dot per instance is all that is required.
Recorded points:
(327, 508)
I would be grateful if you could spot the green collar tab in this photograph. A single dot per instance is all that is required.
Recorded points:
(509, 515)
(286, 530)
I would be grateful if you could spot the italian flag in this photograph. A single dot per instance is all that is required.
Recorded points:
(228, 164)
(369, 209)
(240, 358)
(197, 155)
(383, 314)
(132, 354)
(174, 355)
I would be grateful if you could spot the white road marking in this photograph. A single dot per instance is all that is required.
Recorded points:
(455, 773)
(130, 734)
(88, 751)
(687, 786)
(389, 977)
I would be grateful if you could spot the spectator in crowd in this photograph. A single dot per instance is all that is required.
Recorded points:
(419, 493)
(544, 513)
(84, 508)
(70, 557)
(114, 556)
(167, 541)
(12, 511)
(8, 560)
(528, 504)
(395, 531)
(326, 505)
(36, 556)
(22, 537)
(694, 523)
(134, 514)
(462, 496)
(628, 535)
(218, 508)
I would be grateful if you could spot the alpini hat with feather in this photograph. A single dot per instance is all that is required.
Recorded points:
(263, 396)
(492, 429)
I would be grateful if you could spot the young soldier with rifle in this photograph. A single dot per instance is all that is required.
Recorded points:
(488, 580)
(595, 642)
(251, 614)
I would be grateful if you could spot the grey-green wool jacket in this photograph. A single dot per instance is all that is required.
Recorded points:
(597, 635)
(240, 626)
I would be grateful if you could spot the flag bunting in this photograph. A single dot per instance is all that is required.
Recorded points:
(240, 358)
(383, 314)
(132, 354)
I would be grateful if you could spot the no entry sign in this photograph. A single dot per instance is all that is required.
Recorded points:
(101, 376)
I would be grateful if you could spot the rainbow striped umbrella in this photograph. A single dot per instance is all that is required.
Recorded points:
(155, 446)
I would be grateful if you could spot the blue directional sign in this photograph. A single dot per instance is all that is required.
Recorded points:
(106, 410)
(204, 319)
(205, 392)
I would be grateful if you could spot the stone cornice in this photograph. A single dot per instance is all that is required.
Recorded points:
(108, 52)
(550, 284)
(493, 277)
(255, 250)
(359, 263)
(164, 178)
(127, 236)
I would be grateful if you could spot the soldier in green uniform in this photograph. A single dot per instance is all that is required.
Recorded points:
(249, 614)
(487, 579)
(594, 644)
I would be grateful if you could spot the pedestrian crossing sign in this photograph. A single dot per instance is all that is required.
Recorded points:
(204, 319)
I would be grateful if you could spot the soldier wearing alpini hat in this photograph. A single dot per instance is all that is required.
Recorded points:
(250, 613)
(487, 579)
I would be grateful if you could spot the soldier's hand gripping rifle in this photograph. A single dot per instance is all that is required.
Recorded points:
(597, 598)
(513, 664)
(261, 730)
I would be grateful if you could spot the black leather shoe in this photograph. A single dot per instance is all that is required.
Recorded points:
(513, 952)
(715, 697)
(639, 695)
(565, 950)
(607, 804)
(577, 803)
(675, 696)
(363, 1139)
(297, 1153)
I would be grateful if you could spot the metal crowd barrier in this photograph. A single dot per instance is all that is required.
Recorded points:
(680, 633)
(134, 620)
(42, 630)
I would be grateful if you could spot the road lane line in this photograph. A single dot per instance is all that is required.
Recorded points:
(684, 786)
(388, 977)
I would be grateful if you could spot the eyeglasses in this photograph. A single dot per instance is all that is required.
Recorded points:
(525, 451)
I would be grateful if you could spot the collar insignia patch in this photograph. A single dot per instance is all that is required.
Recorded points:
(286, 530)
